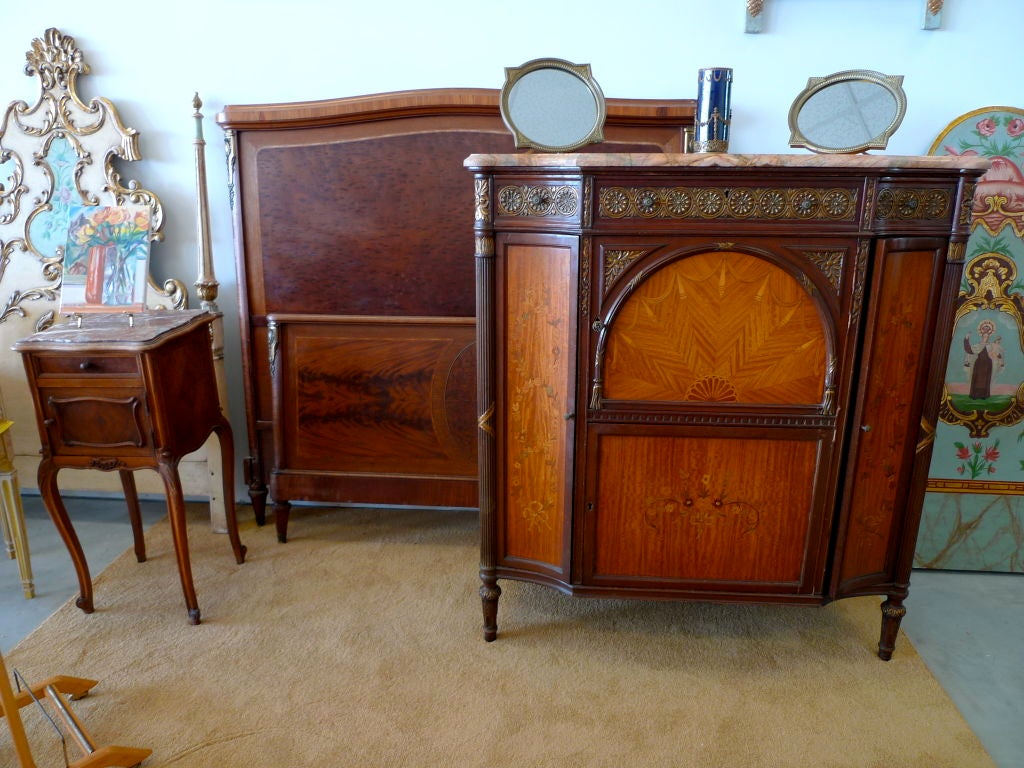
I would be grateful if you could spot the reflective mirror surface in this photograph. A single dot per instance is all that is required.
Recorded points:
(847, 112)
(552, 105)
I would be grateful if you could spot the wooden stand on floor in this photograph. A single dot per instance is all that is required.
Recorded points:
(51, 691)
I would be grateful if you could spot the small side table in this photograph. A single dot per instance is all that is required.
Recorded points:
(127, 392)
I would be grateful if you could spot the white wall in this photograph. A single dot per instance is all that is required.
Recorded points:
(149, 59)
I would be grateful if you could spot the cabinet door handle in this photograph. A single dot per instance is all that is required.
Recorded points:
(85, 365)
(865, 427)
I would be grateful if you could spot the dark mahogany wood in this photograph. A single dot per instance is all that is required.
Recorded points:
(119, 397)
(711, 378)
(350, 219)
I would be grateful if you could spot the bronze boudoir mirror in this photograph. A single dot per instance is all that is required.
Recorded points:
(552, 105)
(847, 112)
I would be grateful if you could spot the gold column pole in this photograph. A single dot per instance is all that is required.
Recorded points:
(207, 288)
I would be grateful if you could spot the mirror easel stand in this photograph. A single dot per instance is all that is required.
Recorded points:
(51, 692)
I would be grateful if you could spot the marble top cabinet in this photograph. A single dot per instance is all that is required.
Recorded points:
(712, 377)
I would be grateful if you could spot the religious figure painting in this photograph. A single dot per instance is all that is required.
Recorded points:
(973, 516)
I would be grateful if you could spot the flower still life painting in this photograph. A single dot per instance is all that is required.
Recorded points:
(106, 259)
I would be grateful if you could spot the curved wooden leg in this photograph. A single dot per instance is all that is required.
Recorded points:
(50, 493)
(131, 498)
(893, 612)
(282, 509)
(168, 469)
(227, 453)
(489, 594)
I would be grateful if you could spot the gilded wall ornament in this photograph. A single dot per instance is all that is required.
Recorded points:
(56, 153)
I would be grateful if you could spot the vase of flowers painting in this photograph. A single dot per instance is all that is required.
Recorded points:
(106, 259)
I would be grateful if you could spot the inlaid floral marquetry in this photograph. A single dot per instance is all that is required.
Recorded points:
(728, 203)
(701, 508)
(538, 201)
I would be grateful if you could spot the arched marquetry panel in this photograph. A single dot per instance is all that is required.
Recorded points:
(719, 326)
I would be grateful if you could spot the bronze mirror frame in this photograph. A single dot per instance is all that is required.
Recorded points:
(524, 134)
(891, 84)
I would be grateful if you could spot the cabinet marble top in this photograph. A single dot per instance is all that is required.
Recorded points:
(724, 160)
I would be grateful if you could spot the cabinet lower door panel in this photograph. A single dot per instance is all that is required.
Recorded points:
(705, 509)
(536, 395)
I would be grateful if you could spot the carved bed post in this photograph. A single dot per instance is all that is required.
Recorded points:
(206, 288)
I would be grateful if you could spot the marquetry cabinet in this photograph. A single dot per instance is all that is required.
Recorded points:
(711, 377)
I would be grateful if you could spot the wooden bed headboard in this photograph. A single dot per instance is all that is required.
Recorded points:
(354, 249)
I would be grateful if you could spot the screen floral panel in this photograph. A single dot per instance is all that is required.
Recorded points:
(106, 259)
(973, 517)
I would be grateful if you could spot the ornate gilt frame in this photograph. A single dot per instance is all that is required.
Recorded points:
(29, 189)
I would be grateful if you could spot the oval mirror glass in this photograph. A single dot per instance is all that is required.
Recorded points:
(847, 112)
(552, 105)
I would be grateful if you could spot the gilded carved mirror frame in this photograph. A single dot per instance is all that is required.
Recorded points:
(57, 152)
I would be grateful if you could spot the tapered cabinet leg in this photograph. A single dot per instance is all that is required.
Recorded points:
(489, 594)
(282, 509)
(893, 612)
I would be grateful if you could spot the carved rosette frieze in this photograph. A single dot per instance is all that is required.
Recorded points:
(904, 203)
(803, 203)
(702, 508)
(538, 200)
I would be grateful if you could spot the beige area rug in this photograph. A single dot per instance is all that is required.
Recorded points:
(358, 643)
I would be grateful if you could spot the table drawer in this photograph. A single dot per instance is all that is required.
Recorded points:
(87, 365)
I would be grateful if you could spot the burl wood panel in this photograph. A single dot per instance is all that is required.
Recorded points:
(903, 288)
(378, 396)
(361, 228)
(538, 371)
(707, 509)
(720, 326)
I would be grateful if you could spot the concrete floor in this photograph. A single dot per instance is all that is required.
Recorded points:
(968, 627)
